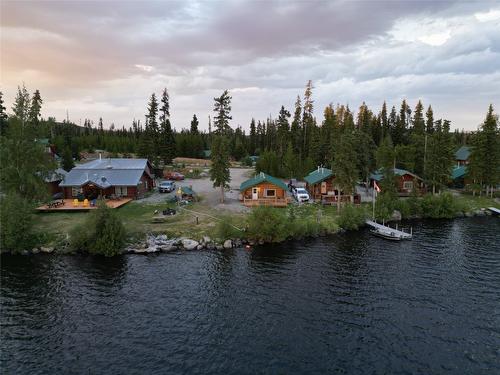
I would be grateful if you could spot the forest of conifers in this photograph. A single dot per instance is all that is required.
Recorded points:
(289, 145)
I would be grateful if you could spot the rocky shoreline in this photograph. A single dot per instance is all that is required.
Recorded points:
(161, 243)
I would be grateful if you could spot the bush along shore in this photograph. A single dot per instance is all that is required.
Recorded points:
(102, 233)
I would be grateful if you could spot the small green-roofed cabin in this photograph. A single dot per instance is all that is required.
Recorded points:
(459, 178)
(406, 181)
(462, 155)
(264, 190)
(320, 184)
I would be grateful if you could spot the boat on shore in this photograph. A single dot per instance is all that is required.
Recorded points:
(393, 234)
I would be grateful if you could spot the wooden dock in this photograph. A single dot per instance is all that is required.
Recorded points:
(68, 205)
(496, 211)
(388, 230)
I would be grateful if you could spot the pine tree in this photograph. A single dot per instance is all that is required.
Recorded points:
(3, 117)
(194, 125)
(417, 138)
(295, 128)
(67, 159)
(21, 107)
(344, 164)
(35, 108)
(222, 108)
(253, 137)
(429, 122)
(307, 118)
(283, 130)
(440, 156)
(485, 155)
(166, 139)
(384, 122)
(219, 170)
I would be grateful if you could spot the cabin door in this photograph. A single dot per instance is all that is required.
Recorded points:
(323, 187)
(255, 193)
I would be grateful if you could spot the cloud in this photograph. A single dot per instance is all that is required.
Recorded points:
(99, 59)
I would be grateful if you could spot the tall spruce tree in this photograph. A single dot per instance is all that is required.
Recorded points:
(194, 125)
(219, 170)
(35, 108)
(21, 107)
(222, 108)
(296, 128)
(485, 155)
(307, 118)
(166, 144)
(417, 138)
(3, 117)
(440, 158)
(344, 164)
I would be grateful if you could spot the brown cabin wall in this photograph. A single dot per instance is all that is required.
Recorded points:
(280, 193)
(315, 190)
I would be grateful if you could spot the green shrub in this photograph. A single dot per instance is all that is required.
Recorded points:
(384, 206)
(224, 230)
(16, 224)
(351, 217)
(268, 224)
(247, 161)
(102, 233)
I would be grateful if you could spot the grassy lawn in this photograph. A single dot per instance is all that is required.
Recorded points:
(475, 203)
(137, 218)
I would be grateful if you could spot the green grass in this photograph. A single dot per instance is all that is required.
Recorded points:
(474, 203)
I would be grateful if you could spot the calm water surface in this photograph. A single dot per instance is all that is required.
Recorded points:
(344, 304)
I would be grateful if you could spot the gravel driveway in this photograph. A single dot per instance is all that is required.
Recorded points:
(211, 195)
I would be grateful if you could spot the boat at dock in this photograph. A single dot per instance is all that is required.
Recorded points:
(388, 233)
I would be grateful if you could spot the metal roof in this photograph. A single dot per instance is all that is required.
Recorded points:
(262, 177)
(318, 175)
(459, 172)
(462, 153)
(379, 175)
(107, 172)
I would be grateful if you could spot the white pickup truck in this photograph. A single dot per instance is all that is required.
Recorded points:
(301, 195)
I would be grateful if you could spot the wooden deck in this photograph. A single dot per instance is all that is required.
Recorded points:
(68, 205)
(273, 202)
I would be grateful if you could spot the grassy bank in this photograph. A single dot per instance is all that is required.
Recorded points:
(264, 224)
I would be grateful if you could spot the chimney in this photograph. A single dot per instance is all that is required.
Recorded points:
(318, 168)
(100, 156)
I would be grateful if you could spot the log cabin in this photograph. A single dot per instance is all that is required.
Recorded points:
(264, 190)
(406, 181)
(320, 185)
(127, 178)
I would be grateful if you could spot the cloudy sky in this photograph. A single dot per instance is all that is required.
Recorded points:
(104, 59)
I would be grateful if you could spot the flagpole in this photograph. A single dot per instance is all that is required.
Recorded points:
(373, 200)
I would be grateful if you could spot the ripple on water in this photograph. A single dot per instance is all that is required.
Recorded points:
(351, 304)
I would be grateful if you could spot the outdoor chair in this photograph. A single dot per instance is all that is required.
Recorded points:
(76, 203)
(85, 202)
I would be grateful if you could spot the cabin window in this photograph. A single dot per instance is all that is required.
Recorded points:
(121, 190)
(76, 190)
(408, 185)
(270, 193)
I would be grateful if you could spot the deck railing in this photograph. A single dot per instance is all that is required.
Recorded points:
(275, 202)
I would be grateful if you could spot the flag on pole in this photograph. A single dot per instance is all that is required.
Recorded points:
(376, 186)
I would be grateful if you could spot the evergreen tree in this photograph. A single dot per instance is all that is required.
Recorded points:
(384, 122)
(283, 130)
(417, 139)
(440, 156)
(485, 155)
(3, 117)
(194, 125)
(166, 140)
(21, 107)
(307, 118)
(67, 160)
(219, 170)
(35, 108)
(429, 122)
(222, 108)
(295, 128)
(385, 154)
(253, 137)
(344, 164)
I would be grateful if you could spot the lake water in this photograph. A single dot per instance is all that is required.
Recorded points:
(349, 303)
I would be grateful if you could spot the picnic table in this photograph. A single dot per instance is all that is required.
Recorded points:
(56, 203)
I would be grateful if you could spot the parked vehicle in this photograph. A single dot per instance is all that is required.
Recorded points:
(301, 194)
(174, 176)
(166, 186)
